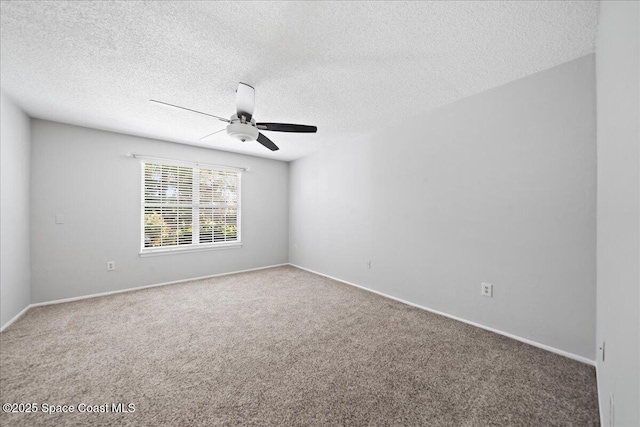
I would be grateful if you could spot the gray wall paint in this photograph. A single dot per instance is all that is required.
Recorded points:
(498, 187)
(15, 148)
(618, 72)
(85, 175)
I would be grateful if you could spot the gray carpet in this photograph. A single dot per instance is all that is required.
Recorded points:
(280, 347)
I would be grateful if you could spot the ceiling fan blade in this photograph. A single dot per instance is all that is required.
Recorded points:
(267, 142)
(189, 109)
(286, 127)
(211, 134)
(245, 101)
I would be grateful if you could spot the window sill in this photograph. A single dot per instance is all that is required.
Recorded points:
(182, 250)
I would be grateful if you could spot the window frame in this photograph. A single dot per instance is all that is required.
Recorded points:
(191, 247)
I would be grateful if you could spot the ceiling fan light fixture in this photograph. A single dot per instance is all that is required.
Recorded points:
(242, 131)
(243, 126)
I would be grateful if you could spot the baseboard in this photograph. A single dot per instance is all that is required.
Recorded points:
(600, 401)
(102, 294)
(16, 317)
(497, 331)
(478, 325)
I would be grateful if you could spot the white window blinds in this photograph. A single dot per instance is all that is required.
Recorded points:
(189, 207)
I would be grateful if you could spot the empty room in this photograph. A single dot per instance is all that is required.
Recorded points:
(320, 213)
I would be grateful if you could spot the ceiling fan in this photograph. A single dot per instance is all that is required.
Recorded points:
(243, 126)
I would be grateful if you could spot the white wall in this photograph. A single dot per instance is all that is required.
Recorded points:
(498, 187)
(618, 75)
(85, 175)
(15, 148)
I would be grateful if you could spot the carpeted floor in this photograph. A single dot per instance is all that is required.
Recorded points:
(279, 347)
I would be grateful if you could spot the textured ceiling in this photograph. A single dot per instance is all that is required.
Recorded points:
(347, 67)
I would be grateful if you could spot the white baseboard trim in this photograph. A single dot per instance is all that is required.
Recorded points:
(515, 337)
(478, 325)
(102, 294)
(61, 301)
(16, 317)
(600, 401)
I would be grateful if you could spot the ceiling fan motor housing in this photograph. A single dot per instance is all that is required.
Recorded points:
(242, 131)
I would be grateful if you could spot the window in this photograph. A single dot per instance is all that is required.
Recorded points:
(187, 207)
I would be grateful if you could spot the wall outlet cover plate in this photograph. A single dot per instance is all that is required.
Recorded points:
(486, 290)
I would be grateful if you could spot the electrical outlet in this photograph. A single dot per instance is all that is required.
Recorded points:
(369, 265)
(111, 265)
(486, 290)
